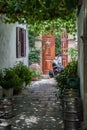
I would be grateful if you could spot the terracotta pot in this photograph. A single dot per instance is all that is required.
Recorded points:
(34, 78)
(35, 66)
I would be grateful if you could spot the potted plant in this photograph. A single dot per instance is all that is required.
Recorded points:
(14, 78)
(69, 72)
(9, 80)
(35, 74)
(23, 72)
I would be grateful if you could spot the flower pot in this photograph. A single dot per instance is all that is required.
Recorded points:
(8, 92)
(34, 78)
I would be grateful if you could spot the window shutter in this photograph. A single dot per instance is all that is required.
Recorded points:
(18, 42)
(24, 42)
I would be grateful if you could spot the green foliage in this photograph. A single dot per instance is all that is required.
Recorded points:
(31, 39)
(9, 79)
(35, 73)
(57, 45)
(15, 77)
(23, 72)
(73, 53)
(70, 4)
(45, 27)
(34, 56)
(56, 24)
(70, 71)
(37, 10)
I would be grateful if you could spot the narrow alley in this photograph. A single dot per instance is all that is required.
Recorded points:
(38, 107)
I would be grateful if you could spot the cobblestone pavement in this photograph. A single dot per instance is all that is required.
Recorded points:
(37, 108)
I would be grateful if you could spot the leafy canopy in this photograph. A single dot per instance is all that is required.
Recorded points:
(36, 10)
(42, 15)
(54, 25)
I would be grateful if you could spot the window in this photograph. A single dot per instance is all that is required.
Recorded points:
(20, 42)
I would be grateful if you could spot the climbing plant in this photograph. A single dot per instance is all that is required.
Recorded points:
(54, 25)
(36, 10)
(34, 56)
(57, 45)
(44, 15)
(73, 52)
(31, 37)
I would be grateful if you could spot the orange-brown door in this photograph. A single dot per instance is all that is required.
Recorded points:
(64, 42)
(48, 52)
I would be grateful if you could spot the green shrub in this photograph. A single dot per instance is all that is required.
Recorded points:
(23, 72)
(34, 56)
(15, 77)
(35, 73)
(70, 71)
(9, 79)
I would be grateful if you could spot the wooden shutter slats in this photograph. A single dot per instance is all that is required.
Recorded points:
(24, 42)
(20, 42)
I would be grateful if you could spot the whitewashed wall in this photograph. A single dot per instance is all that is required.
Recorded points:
(8, 45)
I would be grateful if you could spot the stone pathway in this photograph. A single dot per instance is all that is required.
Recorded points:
(37, 108)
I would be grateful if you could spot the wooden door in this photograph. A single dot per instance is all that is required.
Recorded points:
(64, 43)
(48, 52)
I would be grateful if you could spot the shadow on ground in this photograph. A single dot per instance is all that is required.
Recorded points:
(38, 107)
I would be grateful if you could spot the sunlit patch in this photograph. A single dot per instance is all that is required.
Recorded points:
(35, 109)
(53, 119)
(15, 127)
(31, 119)
(39, 110)
(60, 122)
(17, 121)
(21, 117)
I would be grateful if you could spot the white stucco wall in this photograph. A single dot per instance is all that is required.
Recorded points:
(8, 45)
(80, 48)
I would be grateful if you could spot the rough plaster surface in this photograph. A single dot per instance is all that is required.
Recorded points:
(8, 45)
